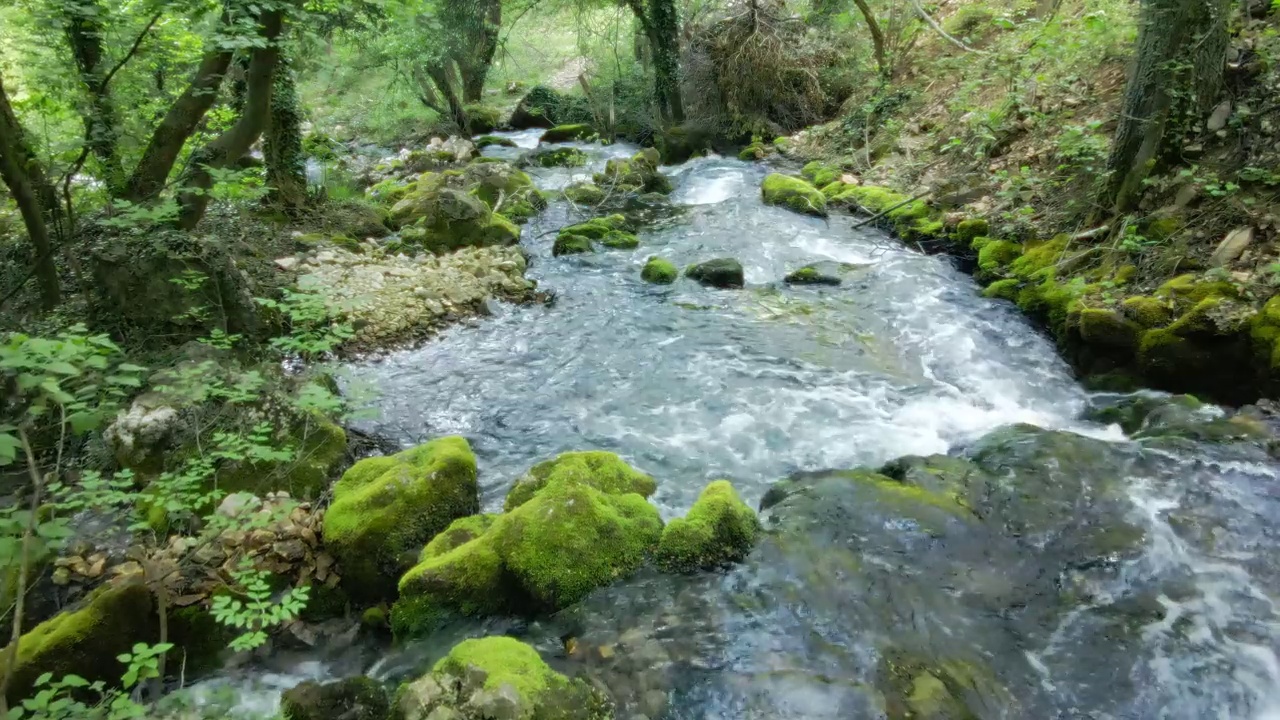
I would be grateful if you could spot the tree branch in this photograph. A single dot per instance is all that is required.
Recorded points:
(132, 50)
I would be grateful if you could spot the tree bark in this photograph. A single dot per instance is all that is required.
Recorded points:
(101, 125)
(228, 147)
(282, 148)
(442, 77)
(36, 199)
(666, 54)
(1176, 79)
(178, 125)
(480, 43)
(877, 37)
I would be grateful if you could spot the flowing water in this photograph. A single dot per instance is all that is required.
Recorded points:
(905, 357)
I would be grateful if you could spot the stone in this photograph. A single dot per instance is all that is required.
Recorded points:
(718, 273)
(718, 530)
(794, 194)
(810, 275)
(386, 508)
(1231, 247)
(357, 698)
(286, 263)
(568, 133)
(659, 271)
(1218, 118)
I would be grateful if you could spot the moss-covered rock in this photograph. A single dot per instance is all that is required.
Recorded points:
(970, 228)
(794, 194)
(639, 174)
(498, 677)
(485, 141)
(810, 275)
(445, 218)
(386, 508)
(554, 157)
(573, 524)
(1147, 311)
(918, 689)
(357, 698)
(718, 273)
(601, 470)
(86, 640)
(482, 118)
(995, 256)
(318, 446)
(756, 151)
(1107, 327)
(584, 193)
(544, 107)
(569, 133)
(1006, 289)
(720, 529)
(820, 173)
(570, 244)
(659, 271)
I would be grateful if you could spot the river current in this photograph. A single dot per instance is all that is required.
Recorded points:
(905, 357)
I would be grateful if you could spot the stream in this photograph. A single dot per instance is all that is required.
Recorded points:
(692, 384)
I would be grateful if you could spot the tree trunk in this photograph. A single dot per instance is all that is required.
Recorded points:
(481, 42)
(27, 183)
(228, 147)
(1176, 79)
(178, 125)
(282, 148)
(877, 37)
(101, 130)
(666, 54)
(441, 75)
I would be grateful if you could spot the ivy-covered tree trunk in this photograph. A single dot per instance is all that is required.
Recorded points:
(481, 21)
(101, 130)
(1176, 79)
(282, 147)
(877, 38)
(666, 55)
(25, 178)
(441, 75)
(232, 144)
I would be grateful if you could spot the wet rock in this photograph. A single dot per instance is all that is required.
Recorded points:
(584, 193)
(718, 530)
(386, 508)
(719, 273)
(611, 231)
(1150, 415)
(1231, 246)
(138, 436)
(498, 678)
(794, 194)
(639, 174)
(491, 140)
(545, 108)
(357, 698)
(811, 275)
(554, 157)
(570, 244)
(659, 271)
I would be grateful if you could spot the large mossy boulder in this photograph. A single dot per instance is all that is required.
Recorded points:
(498, 677)
(584, 193)
(659, 271)
(504, 188)
(719, 530)
(482, 118)
(85, 640)
(573, 524)
(639, 174)
(485, 141)
(357, 698)
(611, 231)
(569, 133)
(717, 273)
(442, 218)
(543, 107)
(794, 194)
(386, 508)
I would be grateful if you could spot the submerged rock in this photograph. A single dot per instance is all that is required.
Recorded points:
(584, 193)
(718, 530)
(611, 231)
(485, 141)
(570, 244)
(573, 524)
(498, 677)
(811, 275)
(1148, 415)
(659, 271)
(719, 273)
(386, 508)
(794, 194)
(357, 698)
(554, 157)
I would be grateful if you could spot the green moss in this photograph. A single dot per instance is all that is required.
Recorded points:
(469, 580)
(459, 533)
(374, 618)
(1105, 326)
(1161, 229)
(325, 603)
(620, 240)
(833, 189)
(571, 538)
(1007, 289)
(355, 698)
(1147, 311)
(568, 133)
(584, 193)
(1190, 289)
(1264, 333)
(570, 244)
(638, 174)
(903, 496)
(659, 271)
(755, 151)
(917, 689)
(1050, 300)
(969, 229)
(488, 140)
(1038, 257)
(927, 228)
(601, 470)
(794, 194)
(385, 509)
(819, 173)
(555, 157)
(505, 661)
(718, 530)
(648, 158)
(85, 641)
(810, 275)
(319, 446)
(996, 255)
